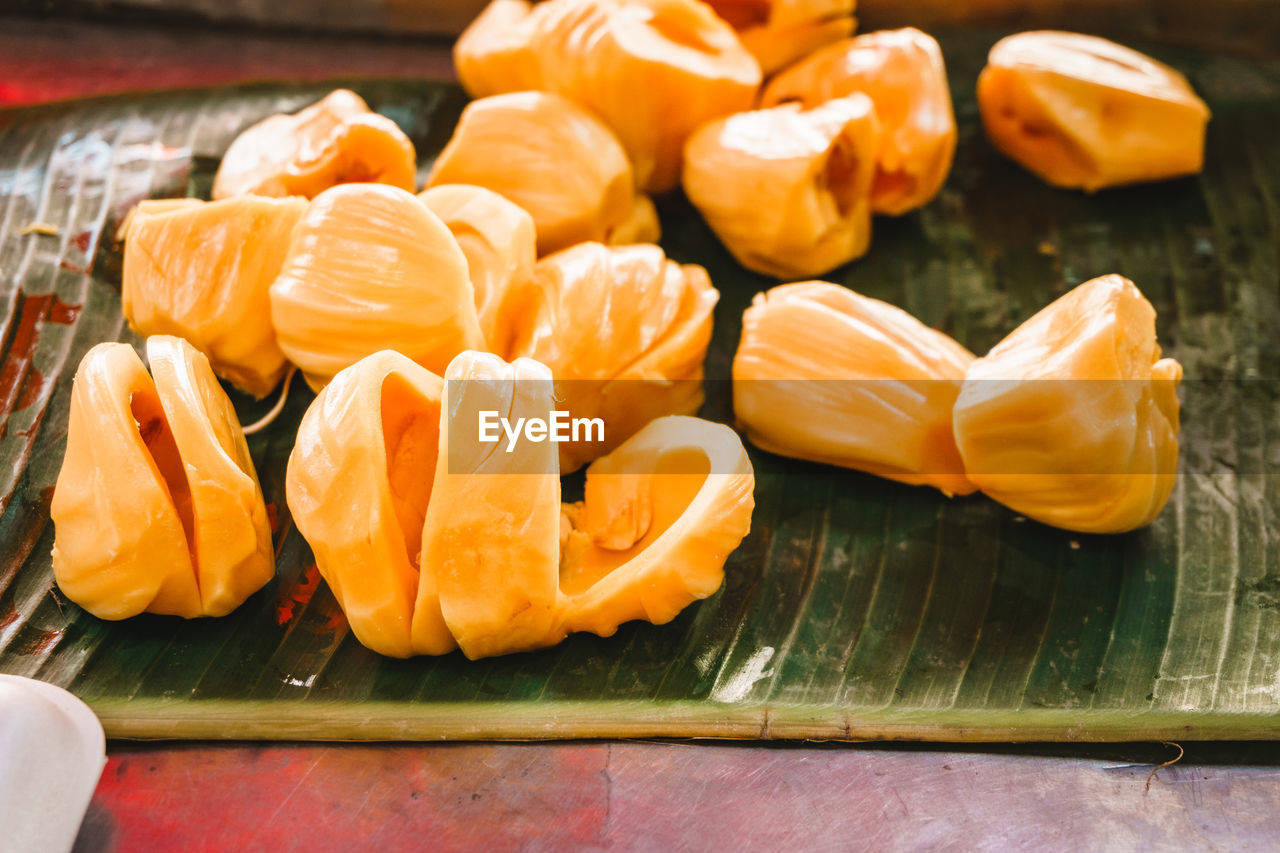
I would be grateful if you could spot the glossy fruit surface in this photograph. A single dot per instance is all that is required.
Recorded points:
(788, 190)
(157, 506)
(903, 73)
(1073, 418)
(547, 155)
(370, 267)
(780, 32)
(334, 141)
(201, 270)
(624, 331)
(652, 70)
(825, 374)
(1081, 111)
(499, 241)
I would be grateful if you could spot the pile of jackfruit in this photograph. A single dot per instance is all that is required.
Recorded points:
(525, 277)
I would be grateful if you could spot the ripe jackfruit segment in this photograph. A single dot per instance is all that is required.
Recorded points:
(552, 158)
(334, 141)
(201, 271)
(1072, 419)
(370, 267)
(825, 374)
(157, 507)
(788, 190)
(902, 72)
(1084, 112)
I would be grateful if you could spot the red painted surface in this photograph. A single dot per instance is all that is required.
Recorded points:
(54, 60)
(18, 343)
(322, 798)
(30, 524)
(671, 796)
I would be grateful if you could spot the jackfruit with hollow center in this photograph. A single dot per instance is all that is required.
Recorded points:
(358, 483)
(157, 507)
(500, 243)
(547, 155)
(825, 374)
(1073, 418)
(652, 70)
(441, 538)
(902, 72)
(780, 32)
(334, 141)
(625, 332)
(787, 190)
(201, 270)
(370, 267)
(1081, 111)
(660, 517)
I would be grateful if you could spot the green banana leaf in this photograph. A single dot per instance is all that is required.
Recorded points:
(857, 608)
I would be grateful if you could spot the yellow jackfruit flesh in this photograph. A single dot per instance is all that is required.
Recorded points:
(652, 70)
(625, 332)
(495, 53)
(547, 155)
(201, 270)
(1081, 111)
(370, 267)
(157, 507)
(780, 32)
(787, 190)
(902, 72)
(334, 141)
(358, 484)
(429, 536)
(492, 530)
(825, 374)
(1073, 418)
(661, 515)
(500, 243)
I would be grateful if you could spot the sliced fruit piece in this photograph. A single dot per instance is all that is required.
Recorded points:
(495, 52)
(358, 483)
(441, 535)
(625, 332)
(157, 506)
(1081, 111)
(780, 32)
(902, 72)
(334, 141)
(654, 70)
(370, 267)
(547, 155)
(825, 374)
(1073, 418)
(230, 535)
(787, 190)
(500, 243)
(661, 515)
(201, 270)
(491, 535)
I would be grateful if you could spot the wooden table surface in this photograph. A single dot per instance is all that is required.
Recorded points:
(599, 795)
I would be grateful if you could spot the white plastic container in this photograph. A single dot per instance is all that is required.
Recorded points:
(52, 751)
